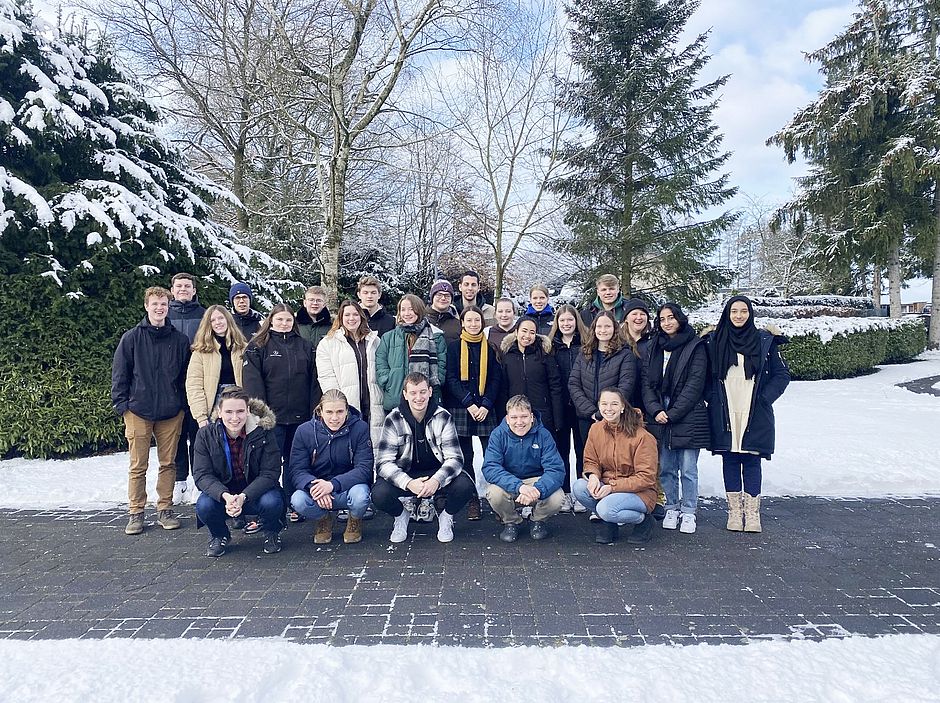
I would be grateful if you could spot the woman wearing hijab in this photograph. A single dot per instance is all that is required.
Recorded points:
(746, 376)
(674, 377)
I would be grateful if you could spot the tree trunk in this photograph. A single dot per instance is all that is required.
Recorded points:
(335, 208)
(894, 279)
(933, 341)
(238, 185)
(876, 288)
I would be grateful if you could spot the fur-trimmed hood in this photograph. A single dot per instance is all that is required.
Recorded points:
(259, 415)
(509, 341)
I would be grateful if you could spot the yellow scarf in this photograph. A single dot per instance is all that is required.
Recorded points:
(465, 358)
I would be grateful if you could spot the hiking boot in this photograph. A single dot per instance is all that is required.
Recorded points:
(473, 509)
(643, 532)
(735, 511)
(445, 527)
(688, 523)
(400, 528)
(606, 532)
(217, 546)
(671, 521)
(510, 532)
(323, 534)
(135, 524)
(538, 529)
(751, 513)
(167, 520)
(353, 531)
(272, 543)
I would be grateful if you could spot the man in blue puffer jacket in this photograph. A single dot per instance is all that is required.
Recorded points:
(331, 467)
(523, 468)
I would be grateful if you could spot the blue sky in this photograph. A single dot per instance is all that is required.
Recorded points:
(761, 44)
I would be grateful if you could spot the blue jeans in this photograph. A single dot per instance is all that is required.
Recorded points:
(270, 508)
(355, 500)
(672, 463)
(620, 508)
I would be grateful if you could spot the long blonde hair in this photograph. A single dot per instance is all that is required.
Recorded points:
(204, 340)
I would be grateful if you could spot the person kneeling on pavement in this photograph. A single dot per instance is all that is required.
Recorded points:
(236, 465)
(331, 467)
(419, 457)
(620, 466)
(523, 468)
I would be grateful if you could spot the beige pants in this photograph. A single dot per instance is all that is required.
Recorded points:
(138, 432)
(506, 506)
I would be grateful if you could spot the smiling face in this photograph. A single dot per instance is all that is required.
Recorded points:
(538, 299)
(234, 414)
(441, 301)
(469, 287)
(520, 420)
(183, 290)
(406, 313)
(525, 335)
(157, 308)
(219, 323)
(505, 314)
(610, 406)
(473, 322)
(282, 322)
(637, 322)
(417, 395)
(668, 322)
(334, 413)
(604, 330)
(739, 313)
(566, 323)
(351, 319)
(607, 294)
(314, 303)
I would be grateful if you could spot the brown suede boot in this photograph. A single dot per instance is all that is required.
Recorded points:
(324, 530)
(353, 531)
(751, 513)
(735, 511)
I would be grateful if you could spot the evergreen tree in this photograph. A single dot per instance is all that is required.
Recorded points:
(95, 206)
(650, 158)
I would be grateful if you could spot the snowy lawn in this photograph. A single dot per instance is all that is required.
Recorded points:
(893, 668)
(856, 437)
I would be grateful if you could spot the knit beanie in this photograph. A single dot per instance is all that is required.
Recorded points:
(635, 304)
(240, 289)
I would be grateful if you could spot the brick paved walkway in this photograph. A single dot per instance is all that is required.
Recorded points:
(822, 568)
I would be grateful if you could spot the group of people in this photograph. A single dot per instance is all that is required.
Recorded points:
(303, 415)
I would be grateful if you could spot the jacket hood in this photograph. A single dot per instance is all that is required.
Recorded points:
(352, 417)
(188, 305)
(259, 415)
(509, 341)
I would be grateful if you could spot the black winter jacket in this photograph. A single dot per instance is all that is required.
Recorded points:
(771, 381)
(148, 374)
(535, 375)
(688, 418)
(283, 375)
(249, 323)
(313, 330)
(447, 322)
(618, 370)
(211, 469)
(186, 316)
(566, 356)
(643, 348)
(381, 322)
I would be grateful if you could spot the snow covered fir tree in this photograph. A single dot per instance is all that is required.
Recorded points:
(648, 161)
(95, 206)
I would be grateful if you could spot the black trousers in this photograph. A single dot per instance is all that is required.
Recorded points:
(563, 440)
(186, 446)
(457, 493)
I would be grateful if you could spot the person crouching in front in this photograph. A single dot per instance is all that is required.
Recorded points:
(331, 467)
(237, 465)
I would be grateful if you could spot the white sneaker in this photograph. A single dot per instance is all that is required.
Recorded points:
(445, 526)
(566, 504)
(688, 523)
(671, 521)
(179, 492)
(400, 528)
(577, 507)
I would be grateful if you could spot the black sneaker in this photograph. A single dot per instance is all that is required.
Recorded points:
(217, 546)
(272, 543)
(510, 533)
(239, 523)
(643, 532)
(605, 532)
(659, 512)
(538, 530)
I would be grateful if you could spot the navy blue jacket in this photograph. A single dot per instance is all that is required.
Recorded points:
(148, 374)
(344, 457)
(510, 458)
(186, 316)
(771, 381)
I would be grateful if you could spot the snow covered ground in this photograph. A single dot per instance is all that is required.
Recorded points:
(861, 437)
(900, 667)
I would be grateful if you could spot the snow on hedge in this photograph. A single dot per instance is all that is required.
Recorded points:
(825, 327)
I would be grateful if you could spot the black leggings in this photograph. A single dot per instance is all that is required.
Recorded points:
(457, 494)
(736, 467)
(563, 441)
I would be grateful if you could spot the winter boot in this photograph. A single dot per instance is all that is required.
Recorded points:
(643, 532)
(135, 524)
(167, 520)
(353, 531)
(606, 532)
(323, 534)
(751, 513)
(735, 511)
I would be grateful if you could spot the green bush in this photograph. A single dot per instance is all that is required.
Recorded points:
(906, 342)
